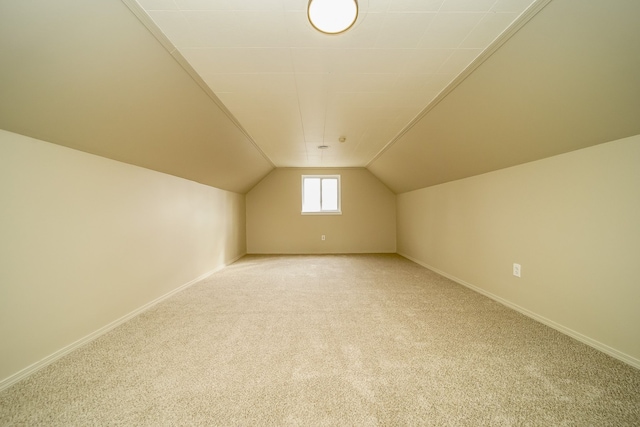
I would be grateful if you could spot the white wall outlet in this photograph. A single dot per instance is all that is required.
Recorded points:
(322, 237)
(516, 270)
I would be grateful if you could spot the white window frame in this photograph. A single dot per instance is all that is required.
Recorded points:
(338, 211)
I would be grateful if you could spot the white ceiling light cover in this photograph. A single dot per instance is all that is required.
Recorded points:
(332, 16)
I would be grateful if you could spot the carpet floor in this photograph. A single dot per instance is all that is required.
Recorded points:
(328, 340)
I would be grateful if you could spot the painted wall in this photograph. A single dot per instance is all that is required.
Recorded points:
(275, 225)
(86, 240)
(572, 221)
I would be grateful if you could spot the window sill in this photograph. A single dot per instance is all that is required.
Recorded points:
(322, 213)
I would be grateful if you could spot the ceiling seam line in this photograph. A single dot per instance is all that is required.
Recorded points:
(295, 78)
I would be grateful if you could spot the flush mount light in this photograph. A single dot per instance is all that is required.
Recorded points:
(332, 16)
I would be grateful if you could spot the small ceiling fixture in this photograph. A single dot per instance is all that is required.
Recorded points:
(332, 16)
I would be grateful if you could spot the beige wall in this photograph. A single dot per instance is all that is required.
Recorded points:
(572, 221)
(87, 240)
(275, 225)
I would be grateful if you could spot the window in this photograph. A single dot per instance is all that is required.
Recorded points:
(321, 195)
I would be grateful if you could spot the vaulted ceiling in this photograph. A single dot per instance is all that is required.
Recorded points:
(294, 88)
(222, 91)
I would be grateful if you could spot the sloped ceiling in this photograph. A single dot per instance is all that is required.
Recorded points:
(88, 75)
(222, 91)
(569, 79)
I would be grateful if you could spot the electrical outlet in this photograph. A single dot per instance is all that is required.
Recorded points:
(516, 270)
(322, 237)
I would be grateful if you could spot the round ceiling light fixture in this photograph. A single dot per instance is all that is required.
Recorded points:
(332, 16)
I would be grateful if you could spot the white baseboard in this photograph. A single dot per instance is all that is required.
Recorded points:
(567, 331)
(31, 369)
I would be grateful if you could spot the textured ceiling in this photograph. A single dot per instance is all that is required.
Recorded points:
(293, 88)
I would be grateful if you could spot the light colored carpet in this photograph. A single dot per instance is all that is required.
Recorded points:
(356, 340)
